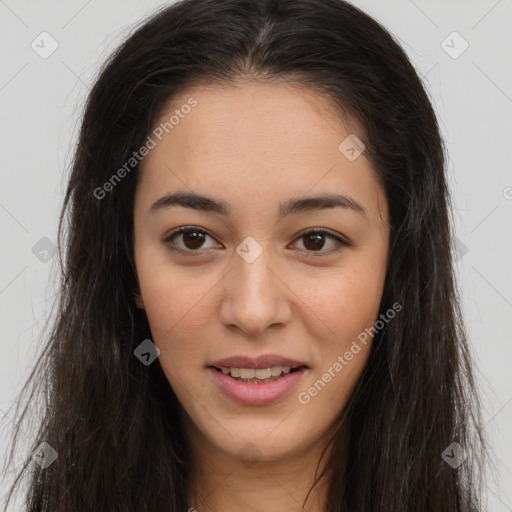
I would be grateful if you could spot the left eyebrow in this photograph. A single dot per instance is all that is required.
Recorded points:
(291, 206)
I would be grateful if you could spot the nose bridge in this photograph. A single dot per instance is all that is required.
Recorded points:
(253, 298)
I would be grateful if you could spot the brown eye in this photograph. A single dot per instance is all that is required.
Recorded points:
(315, 240)
(192, 238)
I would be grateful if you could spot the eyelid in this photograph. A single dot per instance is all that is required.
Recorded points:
(178, 231)
(326, 232)
(309, 231)
(342, 241)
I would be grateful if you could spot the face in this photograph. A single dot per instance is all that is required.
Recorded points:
(261, 272)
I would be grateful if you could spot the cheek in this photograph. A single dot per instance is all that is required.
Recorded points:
(171, 308)
(176, 311)
(177, 302)
(172, 294)
(348, 307)
(348, 304)
(347, 301)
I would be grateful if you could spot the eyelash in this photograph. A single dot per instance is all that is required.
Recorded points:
(312, 254)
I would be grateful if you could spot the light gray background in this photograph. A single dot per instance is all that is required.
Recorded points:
(41, 101)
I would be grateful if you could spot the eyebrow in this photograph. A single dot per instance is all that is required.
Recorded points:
(299, 205)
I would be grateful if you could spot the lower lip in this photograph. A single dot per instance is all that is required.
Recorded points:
(256, 393)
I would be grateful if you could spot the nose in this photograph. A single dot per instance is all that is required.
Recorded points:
(255, 296)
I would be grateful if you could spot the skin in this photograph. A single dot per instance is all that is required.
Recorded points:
(253, 146)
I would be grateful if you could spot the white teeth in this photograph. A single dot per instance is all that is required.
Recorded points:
(245, 373)
(276, 371)
(264, 373)
(260, 373)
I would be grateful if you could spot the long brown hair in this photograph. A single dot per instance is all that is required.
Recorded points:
(113, 421)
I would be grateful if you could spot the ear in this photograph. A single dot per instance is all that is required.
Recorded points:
(138, 300)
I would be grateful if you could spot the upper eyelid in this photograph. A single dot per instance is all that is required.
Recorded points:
(182, 229)
(329, 234)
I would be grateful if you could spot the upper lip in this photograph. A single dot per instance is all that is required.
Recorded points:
(262, 361)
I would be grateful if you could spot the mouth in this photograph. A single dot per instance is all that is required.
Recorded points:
(257, 386)
(257, 375)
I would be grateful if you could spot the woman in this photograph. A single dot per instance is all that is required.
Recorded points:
(258, 305)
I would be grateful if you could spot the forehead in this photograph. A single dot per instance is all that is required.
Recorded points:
(246, 139)
(276, 118)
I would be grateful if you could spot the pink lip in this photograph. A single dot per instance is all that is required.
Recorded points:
(256, 393)
(263, 361)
